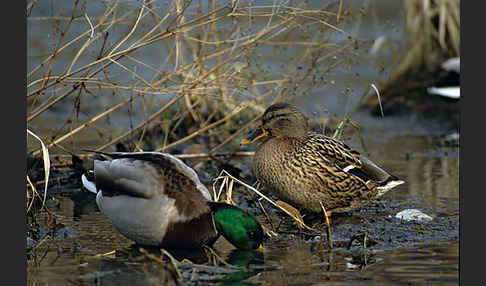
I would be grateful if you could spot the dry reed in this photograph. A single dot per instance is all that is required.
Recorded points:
(209, 59)
(184, 71)
(433, 35)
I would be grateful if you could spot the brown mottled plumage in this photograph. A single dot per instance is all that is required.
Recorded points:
(304, 168)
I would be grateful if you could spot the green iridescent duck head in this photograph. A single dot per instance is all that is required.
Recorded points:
(237, 226)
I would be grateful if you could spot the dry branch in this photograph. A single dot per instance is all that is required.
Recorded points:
(221, 70)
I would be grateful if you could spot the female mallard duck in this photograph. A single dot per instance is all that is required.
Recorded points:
(306, 168)
(155, 199)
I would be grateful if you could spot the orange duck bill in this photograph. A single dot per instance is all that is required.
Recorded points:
(256, 135)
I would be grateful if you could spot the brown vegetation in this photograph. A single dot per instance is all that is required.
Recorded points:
(432, 36)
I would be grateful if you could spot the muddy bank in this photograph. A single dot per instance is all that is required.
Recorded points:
(380, 228)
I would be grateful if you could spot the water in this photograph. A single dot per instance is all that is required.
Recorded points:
(92, 252)
(96, 253)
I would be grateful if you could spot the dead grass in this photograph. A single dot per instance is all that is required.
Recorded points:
(211, 69)
(227, 182)
(433, 35)
(160, 75)
(31, 197)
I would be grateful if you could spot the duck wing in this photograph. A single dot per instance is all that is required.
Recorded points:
(334, 152)
(145, 174)
(342, 157)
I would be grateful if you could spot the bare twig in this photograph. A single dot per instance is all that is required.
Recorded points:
(329, 234)
(202, 130)
(224, 173)
(220, 72)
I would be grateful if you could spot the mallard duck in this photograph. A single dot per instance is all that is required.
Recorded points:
(304, 168)
(155, 199)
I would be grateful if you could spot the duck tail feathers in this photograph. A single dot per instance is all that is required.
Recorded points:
(388, 185)
(369, 171)
(89, 185)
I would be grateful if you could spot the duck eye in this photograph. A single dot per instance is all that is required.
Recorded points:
(281, 123)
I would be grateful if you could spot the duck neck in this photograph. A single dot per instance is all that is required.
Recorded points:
(280, 144)
(191, 234)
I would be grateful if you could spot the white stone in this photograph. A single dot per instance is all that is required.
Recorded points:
(413, 215)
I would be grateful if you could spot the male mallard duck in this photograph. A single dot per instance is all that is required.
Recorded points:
(155, 199)
(306, 168)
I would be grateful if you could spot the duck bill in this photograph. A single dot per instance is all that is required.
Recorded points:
(256, 135)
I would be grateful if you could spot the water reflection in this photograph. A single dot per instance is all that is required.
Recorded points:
(431, 172)
(114, 272)
(251, 263)
(434, 179)
(426, 265)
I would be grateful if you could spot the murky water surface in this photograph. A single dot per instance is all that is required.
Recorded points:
(87, 250)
